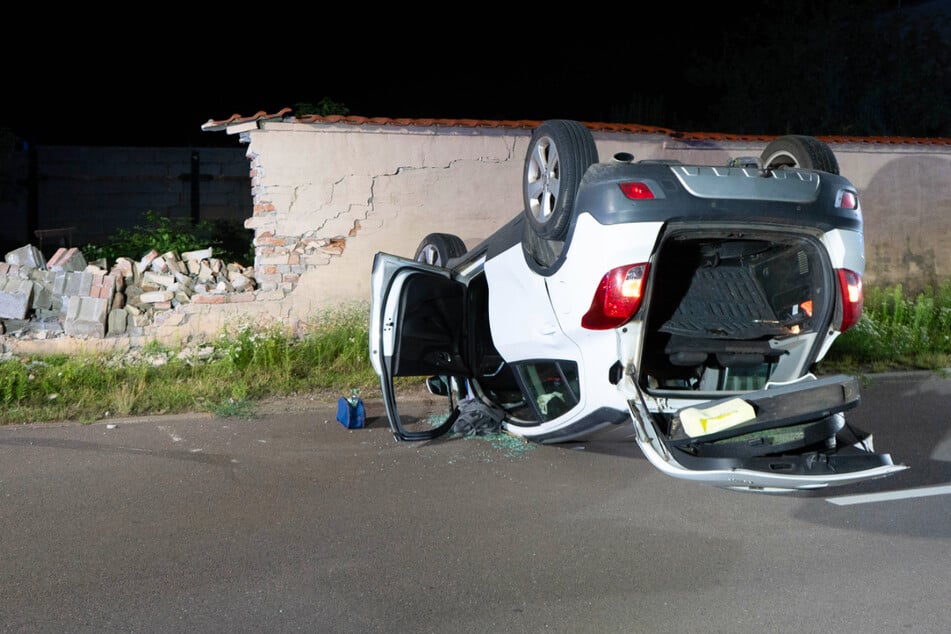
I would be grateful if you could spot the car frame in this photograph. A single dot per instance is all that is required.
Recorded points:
(690, 301)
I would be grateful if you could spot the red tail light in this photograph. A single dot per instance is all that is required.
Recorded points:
(636, 191)
(850, 291)
(617, 297)
(846, 199)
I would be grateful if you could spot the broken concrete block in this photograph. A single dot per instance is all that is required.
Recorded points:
(15, 270)
(78, 283)
(201, 254)
(26, 256)
(42, 297)
(118, 321)
(155, 297)
(205, 274)
(86, 317)
(43, 288)
(126, 268)
(67, 260)
(59, 283)
(48, 327)
(157, 279)
(239, 281)
(15, 298)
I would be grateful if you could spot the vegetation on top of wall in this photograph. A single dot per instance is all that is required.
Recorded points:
(228, 239)
(324, 107)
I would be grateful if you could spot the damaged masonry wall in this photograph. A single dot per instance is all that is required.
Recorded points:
(327, 198)
(40, 299)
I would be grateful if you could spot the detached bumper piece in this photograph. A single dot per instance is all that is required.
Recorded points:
(784, 438)
(785, 419)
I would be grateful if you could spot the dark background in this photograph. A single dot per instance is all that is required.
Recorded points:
(859, 67)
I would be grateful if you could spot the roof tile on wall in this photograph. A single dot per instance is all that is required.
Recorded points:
(285, 114)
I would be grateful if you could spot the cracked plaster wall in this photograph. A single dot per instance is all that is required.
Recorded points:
(330, 198)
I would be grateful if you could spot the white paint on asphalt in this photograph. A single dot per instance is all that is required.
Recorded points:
(888, 496)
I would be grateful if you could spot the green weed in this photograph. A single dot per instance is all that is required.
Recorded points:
(898, 331)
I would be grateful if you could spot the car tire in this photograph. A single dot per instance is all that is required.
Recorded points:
(438, 248)
(799, 151)
(558, 155)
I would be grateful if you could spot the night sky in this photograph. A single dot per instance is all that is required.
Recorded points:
(160, 105)
(157, 80)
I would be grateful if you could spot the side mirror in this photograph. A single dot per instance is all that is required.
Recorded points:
(438, 385)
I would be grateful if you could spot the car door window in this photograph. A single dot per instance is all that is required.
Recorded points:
(550, 386)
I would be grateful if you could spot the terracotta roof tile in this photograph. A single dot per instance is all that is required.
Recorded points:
(285, 114)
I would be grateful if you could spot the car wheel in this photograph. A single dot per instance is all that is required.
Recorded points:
(438, 248)
(799, 151)
(558, 155)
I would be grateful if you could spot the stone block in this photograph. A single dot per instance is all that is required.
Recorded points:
(67, 260)
(201, 254)
(42, 296)
(155, 297)
(59, 283)
(15, 270)
(86, 317)
(73, 282)
(118, 321)
(85, 284)
(157, 279)
(28, 256)
(15, 298)
(147, 259)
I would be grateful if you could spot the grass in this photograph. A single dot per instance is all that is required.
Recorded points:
(243, 366)
(247, 364)
(897, 331)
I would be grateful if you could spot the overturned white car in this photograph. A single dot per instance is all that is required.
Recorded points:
(691, 301)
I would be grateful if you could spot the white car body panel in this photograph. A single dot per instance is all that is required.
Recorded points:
(738, 300)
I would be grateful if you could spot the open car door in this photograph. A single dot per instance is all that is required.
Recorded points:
(418, 328)
(782, 438)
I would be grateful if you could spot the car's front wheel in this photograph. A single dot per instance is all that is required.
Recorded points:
(558, 155)
(796, 150)
(438, 248)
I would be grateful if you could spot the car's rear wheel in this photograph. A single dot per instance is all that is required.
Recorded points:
(438, 248)
(796, 150)
(558, 155)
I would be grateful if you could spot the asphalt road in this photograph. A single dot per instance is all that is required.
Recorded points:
(291, 523)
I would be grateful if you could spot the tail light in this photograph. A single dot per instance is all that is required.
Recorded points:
(850, 291)
(636, 190)
(846, 199)
(617, 297)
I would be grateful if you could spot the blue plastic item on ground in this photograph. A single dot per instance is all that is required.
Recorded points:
(351, 413)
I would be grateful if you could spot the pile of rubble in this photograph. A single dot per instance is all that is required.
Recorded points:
(68, 295)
